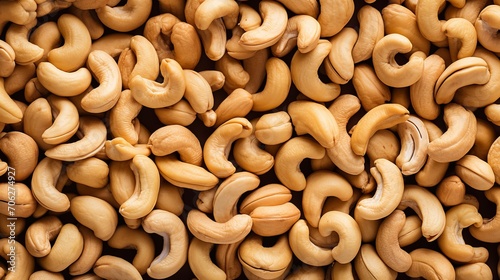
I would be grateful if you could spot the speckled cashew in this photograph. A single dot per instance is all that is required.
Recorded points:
(154, 95)
(217, 147)
(268, 195)
(381, 117)
(276, 88)
(304, 249)
(200, 261)
(92, 249)
(390, 189)
(63, 83)
(9, 111)
(274, 220)
(122, 118)
(91, 172)
(457, 140)
(176, 138)
(101, 218)
(387, 243)
(349, 234)
(17, 37)
(265, 262)
(487, 26)
(274, 22)
(18, 12)
(386, 67)
(67, 247)
(139, 59)
(475, 172)
(320, 185)
(127, 17)
(66, 121)
(452, 243)
(370, 90)
(302, 31)
(127, 238)
(368, 264)
(462, 72)
(340, 66)
(92, 133)
(208, 230)
(289, 158)
(25, 263)
(229, 192)
(488, 232)
(371, 30)
(414, 142)
(304, 70)
(114, 268)
(342, 11)
(250, 156)
(312, 118)
(21, 152)
(166, 29)
(383, 144)
(430, 264)
(43, 185)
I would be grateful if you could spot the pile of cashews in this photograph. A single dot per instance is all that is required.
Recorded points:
(287, 139)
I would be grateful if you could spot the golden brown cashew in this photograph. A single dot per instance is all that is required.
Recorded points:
(198, 92)
(274, 220)
(271, 262)
(428, 22)
(306, 7)
(340, 66)
(39, 235)
(226, 258)
(63, 83)
(452, 243)
(175, 243)
(381, 117)
(200, 261)
(180, 113)
(430, 264)
(152, 94)
(368, 264)
(388, 70)
(475, 172)
(234, 73)
(77, 42)
(387, 243)
(276, 88)
(44, 274)
(371, 29)
(237, 104)
(487, 26)
(204, 201)
(7, 59)
(147, 185)
(485, 136)
(290, 156)
(383, 144)
(208, 230)
(176, 138)
(451, 191)
(92, 249)
(19, 78)
(21, 152)
(349, 234)
(127, 17)
(138, 60)
(18, 12)
(43, 185)
(274, 22)
(127, 238)
(249, 18)
(94, 26)
(302, 31)
(103, 97)
(312, 118)
(469, 11)
(304, 249)
(390, 189)
(101, 218)
(66, 249)
(493, 158)
(113, 43)
(66, 121)
(268, 195)
(24, 263)
(414, 142)
(474, 270)
(273, 128)
(92, 133)
(255, 66)
(91, 172)
(217, 147)
(320, 185)
(9, 111)
(458, 139)
(237, 51)
(122, 118)
(17, 37)
(170, 198)
(304, 70)
(488, 232)
(114, 268)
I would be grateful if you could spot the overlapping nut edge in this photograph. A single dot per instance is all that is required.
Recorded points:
(264, 140)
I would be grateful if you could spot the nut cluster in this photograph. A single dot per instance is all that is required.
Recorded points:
(287, 139)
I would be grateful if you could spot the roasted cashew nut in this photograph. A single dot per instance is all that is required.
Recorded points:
(43, 185)
(304, 249)
(487, 27)
(487, 232)
(430, 264)
(200, 261)
(208, 230)
(101, 218)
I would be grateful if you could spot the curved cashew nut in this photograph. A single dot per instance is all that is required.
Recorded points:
(238, 104)
(200, 261)
(61, 82)
(92, 133)
(18, 12)
(66, 121)
(127, 17)
(381, 117)
(113, 43)
(320, 185)
(451, 241)
(249, 156)
(21, 152)
(25, 263)
(147, 186)
(268, 195)
(371, 30)
(77, 43)
(39, 235)
(92, 249)
(485, 136)
(7, 59)
(304, 249)
(205, 200)
(458, 139)
(122, 117)
(233, 47)
(428, 22)
(119, 149)
(349, 235)
(339, 66)
(273, 128)
(234, 73)
(312, 118)
(138, 60)
(304, 70)
(19, 78)
(228, 193)
(289, 157)
(414, 142)
(427, 207)
(180, 113)
(66, 249)
(342, 11)
(487, 26)
(176, 138)
(493, 158)
(208, 230)
(43, 185)
(226, 258)
(256, 65)
(17, 37)
(122, 185)
(387, 242)
(210, 10)
(430, 264)
(152, 94)
(112, 267)
(368, 264)
(369, 88)
(475, 172)
(91, 172)
(101, 218)
(198, 92)
(9, 111)
(127, 238)
(487, 232)
(302, 31)
(94, 26)
(299, 7)
(274, 220)
(274, 23)
(170, 198)
(451, 191)
(390, 189)
(277, 86)
(386, 67)
(217, 147)
(462, 37)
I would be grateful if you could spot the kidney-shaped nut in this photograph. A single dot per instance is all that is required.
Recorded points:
(176, 138)
(16, 199)
(66, 249)
(267, 195)
(475, 172)
(101, 218)
(114, 268)
(339, 65)
(488, 232)
(127, 17)
(306, 250)
(487, 26)
(43, 185)
(341, 11)
(208, 230)
(430, 264)
(368, 264)
(414, 142)
(277, 86)
(61, 82)
(175, 243)
(39, 235)
(474, 270)
(92, 250)
(250, 156)
(462, 37)
(302, 31)
(387, 242)
(371, 29)
(24, 262)
(200, 261)
(21, 152)
(92, 172)
(274, 220)
(273, 128)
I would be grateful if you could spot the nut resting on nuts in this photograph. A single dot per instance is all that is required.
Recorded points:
(264, 139)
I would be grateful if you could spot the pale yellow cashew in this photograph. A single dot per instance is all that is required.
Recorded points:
(21, 152)
(349, 235)
(122, 118)
(249, 156)
(234, 49)
(19, 78)
(428, 22)
(255, 66)
(39, 235)
(234, 73)
(9, 111)
(383, 144)
(209, 10)
(268, 195)
(306, 7)
(237, 104)
(18, 12)
(24, 262)
(176, 138)
(304, 249)
(473, 270)
(91, 172)
(17, 37)
(138, 59)
(127, 17)
(273, 128)
(249, 18)
(67, 247)
(371, 29)
(462, 37)
(198, 92)
(92, 249)
(119, 149)
(122, 186)
(180, 113)
(7, 59)
(113, 43)
(94, 26)
(414, 142)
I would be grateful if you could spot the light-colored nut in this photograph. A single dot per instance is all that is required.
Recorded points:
(200, 261)
(112, 267)
(249, 156)
(66, 121)
(25, 263)
(208, 230)
(414, 142)
(371, 29)
(383, 144)
(430, 264)
(342, 11)
(91, 172)
(273, 128)
(274, 220)
(304, 249)
(475, 270)
(39, 235)
(487, 231)
(63, 83)
(21, 152)
(451, 191)
(180, 113)
(43, 185)
(276, 88)
(349, 235)
(127, 17)
(475, 172)
(268, 195)
(340, 66)
(302, 31)
(101, 218)
(487, 26)
(17, 37)
(462, 37)
(176, 138)
(138, 60)
(387, 242)
(368, 264)
(66, 249)
(92, 249)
